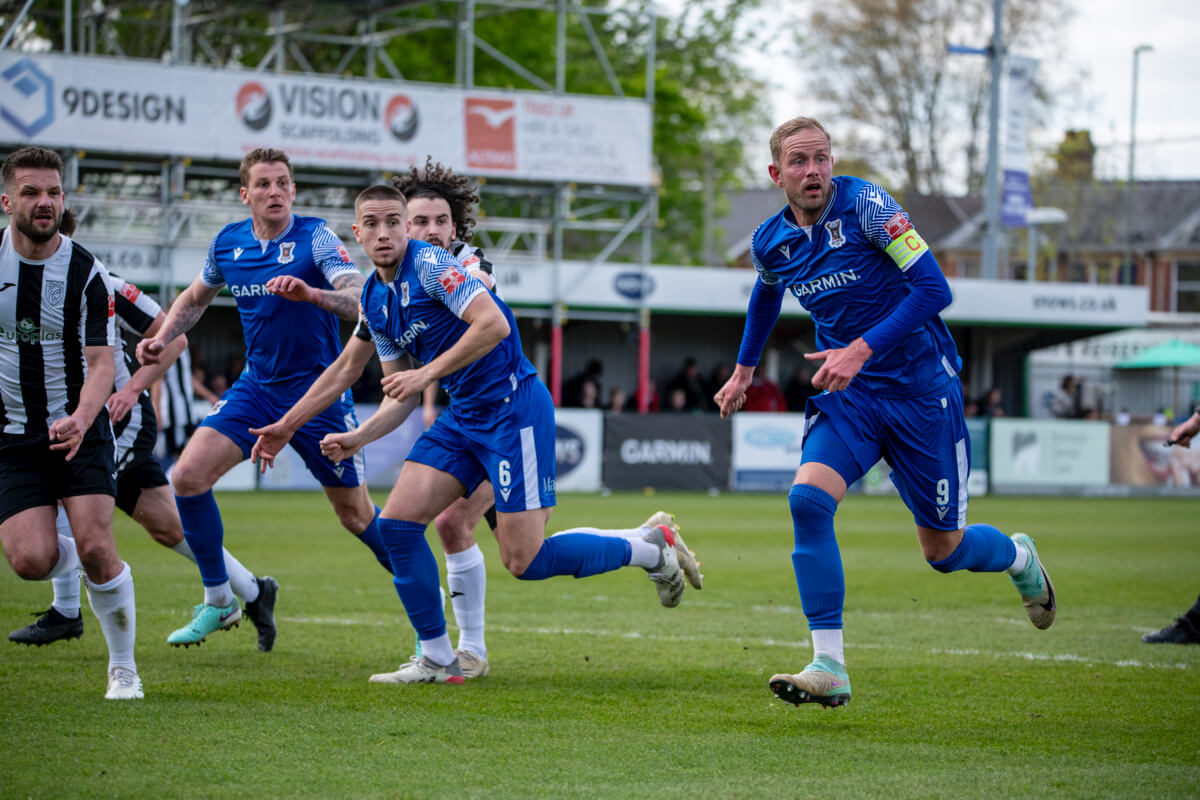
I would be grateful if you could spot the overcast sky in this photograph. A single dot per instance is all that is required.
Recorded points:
(1099, 45)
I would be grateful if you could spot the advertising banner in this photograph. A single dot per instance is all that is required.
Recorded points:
(578, 441)
(1044, 455)
(666, 451)
(766, 450)
(1017, 198)
(1141, 457)
(146, 107)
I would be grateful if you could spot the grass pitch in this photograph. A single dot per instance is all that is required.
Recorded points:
(597, 691)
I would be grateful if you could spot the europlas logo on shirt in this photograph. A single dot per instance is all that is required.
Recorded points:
(26, 98)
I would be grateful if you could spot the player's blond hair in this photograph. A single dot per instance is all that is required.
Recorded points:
(793, 126)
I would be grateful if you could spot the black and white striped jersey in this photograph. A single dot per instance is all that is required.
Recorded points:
(177, 401)
(49, 312)
(136, 312)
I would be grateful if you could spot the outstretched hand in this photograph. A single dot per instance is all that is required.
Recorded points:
(271, 440)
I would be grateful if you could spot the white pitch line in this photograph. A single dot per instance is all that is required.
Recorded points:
(799, 644)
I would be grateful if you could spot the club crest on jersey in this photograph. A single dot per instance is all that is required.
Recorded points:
(55, 291)
(404, 295)
(451, 279)
(285, 252)
(834, 227)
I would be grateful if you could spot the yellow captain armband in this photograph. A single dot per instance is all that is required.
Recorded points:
(907, 248)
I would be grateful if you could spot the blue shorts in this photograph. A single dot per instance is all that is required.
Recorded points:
(511, 445)
(923, 439)
(248, 404)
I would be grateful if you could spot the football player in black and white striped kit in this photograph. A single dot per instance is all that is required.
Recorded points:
(56, 372)
(143, 492)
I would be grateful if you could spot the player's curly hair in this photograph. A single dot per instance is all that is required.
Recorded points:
(437, 182)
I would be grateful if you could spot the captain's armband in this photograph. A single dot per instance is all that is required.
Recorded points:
(906, 249)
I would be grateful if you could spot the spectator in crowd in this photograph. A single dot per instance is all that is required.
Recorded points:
(799, 389)
(1065, 403)
(763, 394)
(572, 395)
(677, 401)
(652, 388)
(992, 404)
(589, 394)
(616, 400)
(688, 380)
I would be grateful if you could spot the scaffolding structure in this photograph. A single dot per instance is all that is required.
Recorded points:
(179, 202)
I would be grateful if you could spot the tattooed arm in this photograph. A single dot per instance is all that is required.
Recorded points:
(342, 300)
(184, 313)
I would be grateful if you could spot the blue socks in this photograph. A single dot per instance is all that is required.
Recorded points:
(415, 575)
(578, 554)
(371, 538)
(816, 558)
(982, 549)
(205, 535)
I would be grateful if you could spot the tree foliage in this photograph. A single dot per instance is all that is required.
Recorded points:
(883, 66)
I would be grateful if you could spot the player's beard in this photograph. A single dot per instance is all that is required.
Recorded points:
(25, 225)
(434, 239)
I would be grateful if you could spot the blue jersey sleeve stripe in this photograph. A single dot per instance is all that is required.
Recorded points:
(211, 274)
(874, 207)
(329, 253)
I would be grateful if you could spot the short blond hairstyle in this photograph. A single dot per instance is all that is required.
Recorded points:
(792, 126)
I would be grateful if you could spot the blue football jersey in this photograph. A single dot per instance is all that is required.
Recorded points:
(287, 343)
(420, 313)
(848, 272)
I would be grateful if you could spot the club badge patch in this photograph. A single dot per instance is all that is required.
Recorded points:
(285, 252)
(836, 239)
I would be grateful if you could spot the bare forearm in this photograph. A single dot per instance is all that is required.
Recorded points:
(390, 414)
(96, 387)
(336, 379)
(343, 303)
(147, 376)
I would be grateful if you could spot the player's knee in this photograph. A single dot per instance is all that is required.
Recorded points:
(188, 480)
(32, 565)
(455, 531)
(517, 564)
(95, 553)
(810, 506)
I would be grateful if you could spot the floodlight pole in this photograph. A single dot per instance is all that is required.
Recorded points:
(1128, 259)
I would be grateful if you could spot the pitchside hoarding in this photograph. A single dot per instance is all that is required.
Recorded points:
(766, 450)
(577, 448)
(666, 451)
(146, 107)
(1031, 455)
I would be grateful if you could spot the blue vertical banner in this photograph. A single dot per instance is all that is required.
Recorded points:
(1016, 198)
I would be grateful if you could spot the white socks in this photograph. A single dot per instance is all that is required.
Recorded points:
(113, 605)
(241, 580)
(438, 650)
(1019, 562)
(65, 578)
(220, 595)
(828, 643)
(466, 576)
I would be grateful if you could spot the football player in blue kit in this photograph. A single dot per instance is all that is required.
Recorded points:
(850, 255)
(292, 279)
(420, 303)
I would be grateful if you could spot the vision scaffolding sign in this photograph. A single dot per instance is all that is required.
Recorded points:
(145, 107)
